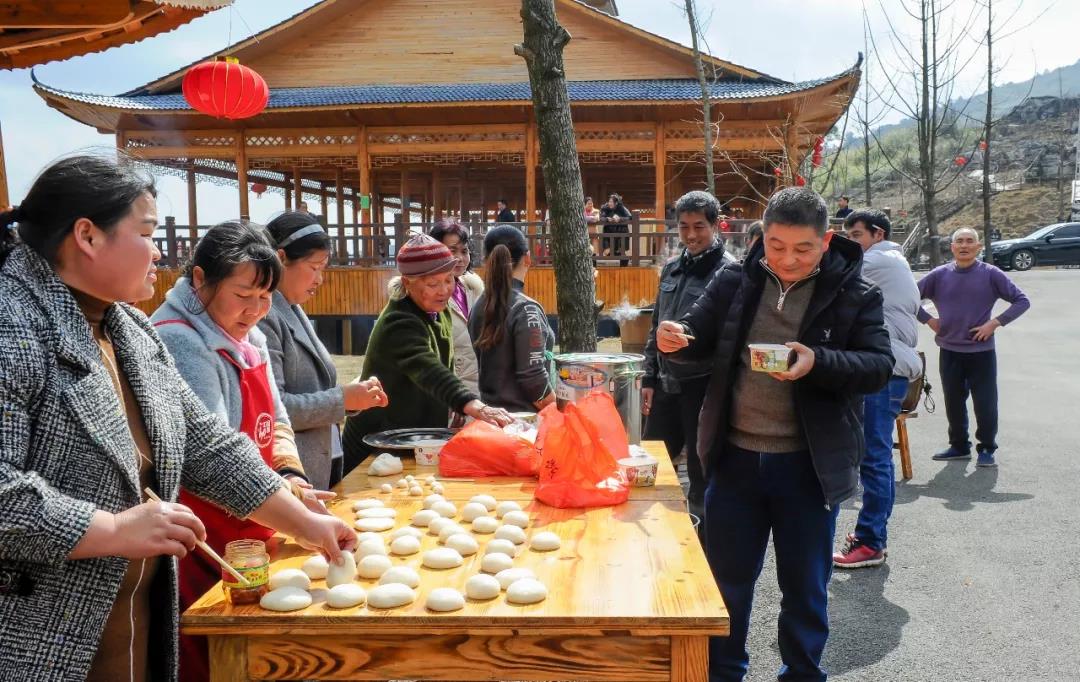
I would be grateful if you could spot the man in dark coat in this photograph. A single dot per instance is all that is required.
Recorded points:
(781, 450)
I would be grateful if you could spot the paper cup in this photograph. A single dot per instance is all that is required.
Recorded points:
(769, 357)
(638, 472)
(427, 455)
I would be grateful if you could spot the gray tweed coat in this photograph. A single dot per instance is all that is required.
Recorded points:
(65, 452)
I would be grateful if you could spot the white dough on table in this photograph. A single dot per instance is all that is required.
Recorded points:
(545, 541)
(501, 547)
(369, 503)
(432, 499)
(390, 596)
(405, 545)
(504, 507)
(443, 599)
(526, 591)
(516, 518)
(509, 576)
(406, 575)
(512, 533)
(368, 535)
(442, 558)
(483, 587)
(410, 478)
(447, 531)
(374, 525)
(345, 596)
(485, 524)
(343, 572)
(315, 567)
(373, 566)
(436, 526)
(423, 518)
(406, 530)
(465, 544)
(402, 483)
(385, 465)
(369, 547)
(472, 511)
(376, 513)
(445, 508)
(290, 577)
(487, 500)
(493, 563)
(437, 488)
(386, 488)
(286, 599)
(415, 490)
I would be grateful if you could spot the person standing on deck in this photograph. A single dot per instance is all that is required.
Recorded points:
(505, 215)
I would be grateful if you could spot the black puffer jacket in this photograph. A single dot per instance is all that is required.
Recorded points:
(844, 326)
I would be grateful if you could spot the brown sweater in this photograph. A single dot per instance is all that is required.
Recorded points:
(763, 417)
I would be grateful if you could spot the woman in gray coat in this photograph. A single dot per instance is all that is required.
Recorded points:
(92, 412)
(305, 374)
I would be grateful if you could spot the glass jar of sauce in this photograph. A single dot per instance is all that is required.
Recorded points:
(250, 559)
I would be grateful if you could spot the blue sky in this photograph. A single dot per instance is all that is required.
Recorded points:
(791, 39)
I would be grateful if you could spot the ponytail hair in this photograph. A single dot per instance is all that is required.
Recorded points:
(504, 247)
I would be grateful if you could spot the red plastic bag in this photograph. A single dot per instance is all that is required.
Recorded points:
(481, 449)
(579, 452)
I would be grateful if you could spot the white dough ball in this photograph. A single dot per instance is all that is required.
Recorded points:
(509, 576)
(447, 509)
(545, 541)
(516, 518)
(487, 500)
(485, 524)
(482, 587)
(443, 599)
(432, 499)
(341, 572)
(405, 545)
(442, 558)
(345, 596)
(410, 478)
(437, 488)
(369, 535)
(436, 526)
(465, 544)
(423, 518)
(447, 531)
(472, 511)
(390, 596)
(402, 483)
(406, 575)
(431, 478)
(315, 567)
(526, 591)
(290, 577)
(501, 547)
(373, 566)
(503, 507)
(369, 547)
(386, 488)
(286, 599)
(416, 491)
(376, 513)
(493, 563)
(511, 533)
(406, 530)
(368, 503)
(374, 525)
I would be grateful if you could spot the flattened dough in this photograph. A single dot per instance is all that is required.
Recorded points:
(339, 574)
(390, 596)
(545, 541)
(526, 591)
(406, 575)
(285, 599)
(373, 566)
(482, 587)
(442, 558)
(290, 577)
(443, 599)
(345, 596)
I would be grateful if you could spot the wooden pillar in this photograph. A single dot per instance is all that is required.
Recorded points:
(192, 209)
(660, 157)
(436, 195)
(404, 194)
(363, 162)
(298, 188)
(339, 195)
(5, 198)
(323, 203)
(241, 174)
(288, 198)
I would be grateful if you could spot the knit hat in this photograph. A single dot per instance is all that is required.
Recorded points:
(423, 255)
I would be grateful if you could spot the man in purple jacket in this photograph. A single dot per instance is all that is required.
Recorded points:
(964, 293)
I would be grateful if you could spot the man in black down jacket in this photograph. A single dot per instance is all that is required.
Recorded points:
(672, 393)
(781, 451)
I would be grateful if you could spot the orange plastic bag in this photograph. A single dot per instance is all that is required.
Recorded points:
(481, 449)
(579, 450)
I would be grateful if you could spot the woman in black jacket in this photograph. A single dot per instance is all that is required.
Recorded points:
(615, 219)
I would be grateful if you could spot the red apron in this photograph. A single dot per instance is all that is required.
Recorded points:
(199, 573)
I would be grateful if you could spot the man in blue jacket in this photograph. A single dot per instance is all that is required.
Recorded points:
(781, 451)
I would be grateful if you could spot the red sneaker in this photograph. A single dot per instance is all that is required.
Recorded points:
(857, 555)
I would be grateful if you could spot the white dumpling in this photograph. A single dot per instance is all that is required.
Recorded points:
(482, 587)
(511, 533)
(526, 591)
(423, 518)
(406, 530)
(442, 558)
(406, 575)
(473, 511)
(432, 499)
(286, 599)
(437, 488)
(516, 518)
(315, 567)
(386, 488)
(290, 577)
(342, 571)
(369, 547)
(390, 596)
(465, 544)
(402, 483)
(415, 490)
(445, 508)
(373, 566)
(436, 526)
(368, 535)
(410, 478)
(501, 547)
(509, 576)
(345, 596)
(504, 507)
(367, 503)
(374, 525)
(485, 525)
(376, 513)
(545, 541)
(493, 563)
(452, 529)
(405, 545)
(443, 599)
(487, 500)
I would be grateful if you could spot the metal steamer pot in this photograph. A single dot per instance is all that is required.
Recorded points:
(619, 374)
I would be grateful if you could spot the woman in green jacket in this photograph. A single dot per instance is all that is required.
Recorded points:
(411, 350)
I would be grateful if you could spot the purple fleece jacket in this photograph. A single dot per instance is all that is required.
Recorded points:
(964, 298)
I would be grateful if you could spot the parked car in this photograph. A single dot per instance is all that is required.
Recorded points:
(1057, 244)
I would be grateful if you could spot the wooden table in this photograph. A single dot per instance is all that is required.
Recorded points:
(631, 598)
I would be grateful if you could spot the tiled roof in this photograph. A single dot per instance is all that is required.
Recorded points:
(580, 91)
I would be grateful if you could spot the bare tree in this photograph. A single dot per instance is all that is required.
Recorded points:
(575, 289)
(706, 97)
(866, 118)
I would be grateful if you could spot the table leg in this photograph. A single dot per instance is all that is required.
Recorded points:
(228, 659)
(689, 659)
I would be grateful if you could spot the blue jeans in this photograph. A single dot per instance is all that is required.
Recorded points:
(749, 495)
(877, 472)
(974, 374)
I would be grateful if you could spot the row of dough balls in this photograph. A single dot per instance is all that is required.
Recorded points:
(413, 485)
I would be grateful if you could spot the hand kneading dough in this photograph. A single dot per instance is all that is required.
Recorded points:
(487, 500)
(501, 547)
(369, 547)
(405, 545)
(526, 591)
(482, 587)
(442, 558)
(423, 518)
(339, 574)
(445, 599)
(373, 566)
(545, 541)
(511, 575)
(447, 509)
(285, 599)
(386, 488)
(376, 513)
(485, 524)
(374, 525)
(447, 531)
(384, 465)
(345, 596)
(315, 567)
(465, 544)
(405, 575)
(390, 596)
(473, 511)
(406, 530)
(504, 507)
(290, 577)
(369, 503)
(516, 518)
(432, 499)
(493, 563)
(511, 533)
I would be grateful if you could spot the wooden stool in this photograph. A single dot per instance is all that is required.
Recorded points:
(903, 444)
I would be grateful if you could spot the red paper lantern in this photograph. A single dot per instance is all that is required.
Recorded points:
(800, 180)
(815, 160)
(819, 145)
(258, 188)
(724, 226)
(225, 89)
(960, 161)
(778, 171)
